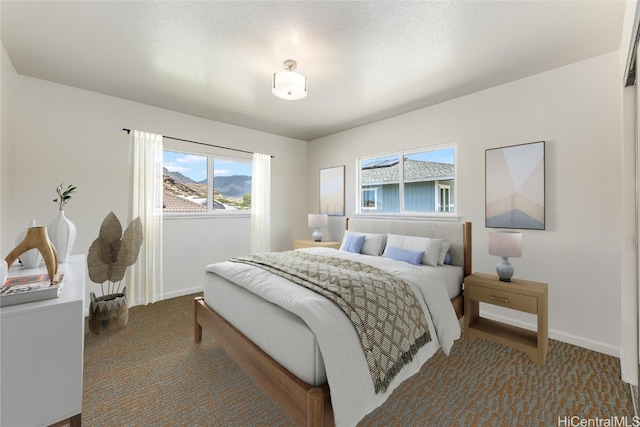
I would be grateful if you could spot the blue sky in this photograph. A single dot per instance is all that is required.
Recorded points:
(445, 155)
(195, 166)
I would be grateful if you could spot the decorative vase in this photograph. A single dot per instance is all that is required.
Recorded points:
(4, 271)
(108, 313)
(62, 234)
(32, 258)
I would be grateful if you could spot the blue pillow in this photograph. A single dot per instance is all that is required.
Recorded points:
(412, 257)
(447, 258)
(353, 243)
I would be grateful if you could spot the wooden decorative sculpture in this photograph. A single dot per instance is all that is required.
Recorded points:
(37, 238)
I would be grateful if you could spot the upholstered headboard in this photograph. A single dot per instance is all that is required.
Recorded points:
(456, 232)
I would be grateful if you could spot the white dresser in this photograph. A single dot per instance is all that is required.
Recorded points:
(41, 353)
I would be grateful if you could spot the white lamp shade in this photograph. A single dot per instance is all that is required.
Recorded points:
(289, 85)
(318, 220)
(505, 243)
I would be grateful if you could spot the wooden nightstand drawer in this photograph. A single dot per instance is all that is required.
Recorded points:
(524, 303)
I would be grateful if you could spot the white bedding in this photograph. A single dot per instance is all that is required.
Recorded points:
(452, 276)
(352, 390)
(279, 333)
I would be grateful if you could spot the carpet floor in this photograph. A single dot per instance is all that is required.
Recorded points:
(153, 374)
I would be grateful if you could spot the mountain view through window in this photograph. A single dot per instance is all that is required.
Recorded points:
(191, 180)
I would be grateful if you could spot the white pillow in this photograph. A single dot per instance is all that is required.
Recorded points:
(431, 247)
(443, 251)
(373, 243)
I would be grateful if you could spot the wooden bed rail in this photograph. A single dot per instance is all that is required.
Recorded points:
(305, 404)
(468, 268)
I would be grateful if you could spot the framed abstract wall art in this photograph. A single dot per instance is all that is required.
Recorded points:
(332, 191)
(514, 186)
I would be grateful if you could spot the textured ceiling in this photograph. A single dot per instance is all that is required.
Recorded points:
(365, 61)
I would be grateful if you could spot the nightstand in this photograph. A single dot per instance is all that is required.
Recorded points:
(521, 295)
(297, 244)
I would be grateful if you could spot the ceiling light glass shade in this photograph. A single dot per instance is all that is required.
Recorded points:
(289, 85)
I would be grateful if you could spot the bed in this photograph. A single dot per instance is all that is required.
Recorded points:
(293, 353)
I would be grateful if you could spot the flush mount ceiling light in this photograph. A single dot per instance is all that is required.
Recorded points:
(288, 84)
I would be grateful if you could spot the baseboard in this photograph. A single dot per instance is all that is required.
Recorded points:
(168, 295)
(560, 336)
(182, 292)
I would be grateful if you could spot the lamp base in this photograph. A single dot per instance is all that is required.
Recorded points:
(504, 270)
(317, 235)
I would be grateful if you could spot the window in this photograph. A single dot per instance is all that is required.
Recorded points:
(191, 180)
(370, 198)
(444, 198)
(416, 181)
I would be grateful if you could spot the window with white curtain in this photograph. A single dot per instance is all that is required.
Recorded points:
(416, 182)
(196, 183)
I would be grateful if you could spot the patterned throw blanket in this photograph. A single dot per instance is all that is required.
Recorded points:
(383, 309)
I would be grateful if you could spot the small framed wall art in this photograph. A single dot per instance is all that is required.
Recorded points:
(332, 191)
(514, 186)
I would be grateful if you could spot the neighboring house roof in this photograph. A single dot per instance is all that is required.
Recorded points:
(173, 203)
(414, 171)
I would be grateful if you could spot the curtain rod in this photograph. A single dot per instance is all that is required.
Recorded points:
(201, 143)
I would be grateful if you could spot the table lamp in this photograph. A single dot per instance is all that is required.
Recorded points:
(316, 221)
(505, 244)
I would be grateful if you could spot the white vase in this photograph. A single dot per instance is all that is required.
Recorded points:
(4, 271)
(62, 234)
(32, 258)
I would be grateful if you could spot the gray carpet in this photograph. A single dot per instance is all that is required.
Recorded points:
(152, 374)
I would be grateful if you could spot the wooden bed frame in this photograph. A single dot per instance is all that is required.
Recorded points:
(305, 404)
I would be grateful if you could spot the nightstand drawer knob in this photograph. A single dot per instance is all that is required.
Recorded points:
(504, 300)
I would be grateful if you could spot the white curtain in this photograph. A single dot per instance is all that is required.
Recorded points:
(145, 276)
(261, 203)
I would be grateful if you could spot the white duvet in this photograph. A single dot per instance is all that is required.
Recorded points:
(352, 390)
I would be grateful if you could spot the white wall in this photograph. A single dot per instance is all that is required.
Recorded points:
(577, 110)
(8, 80)
(63, 134)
